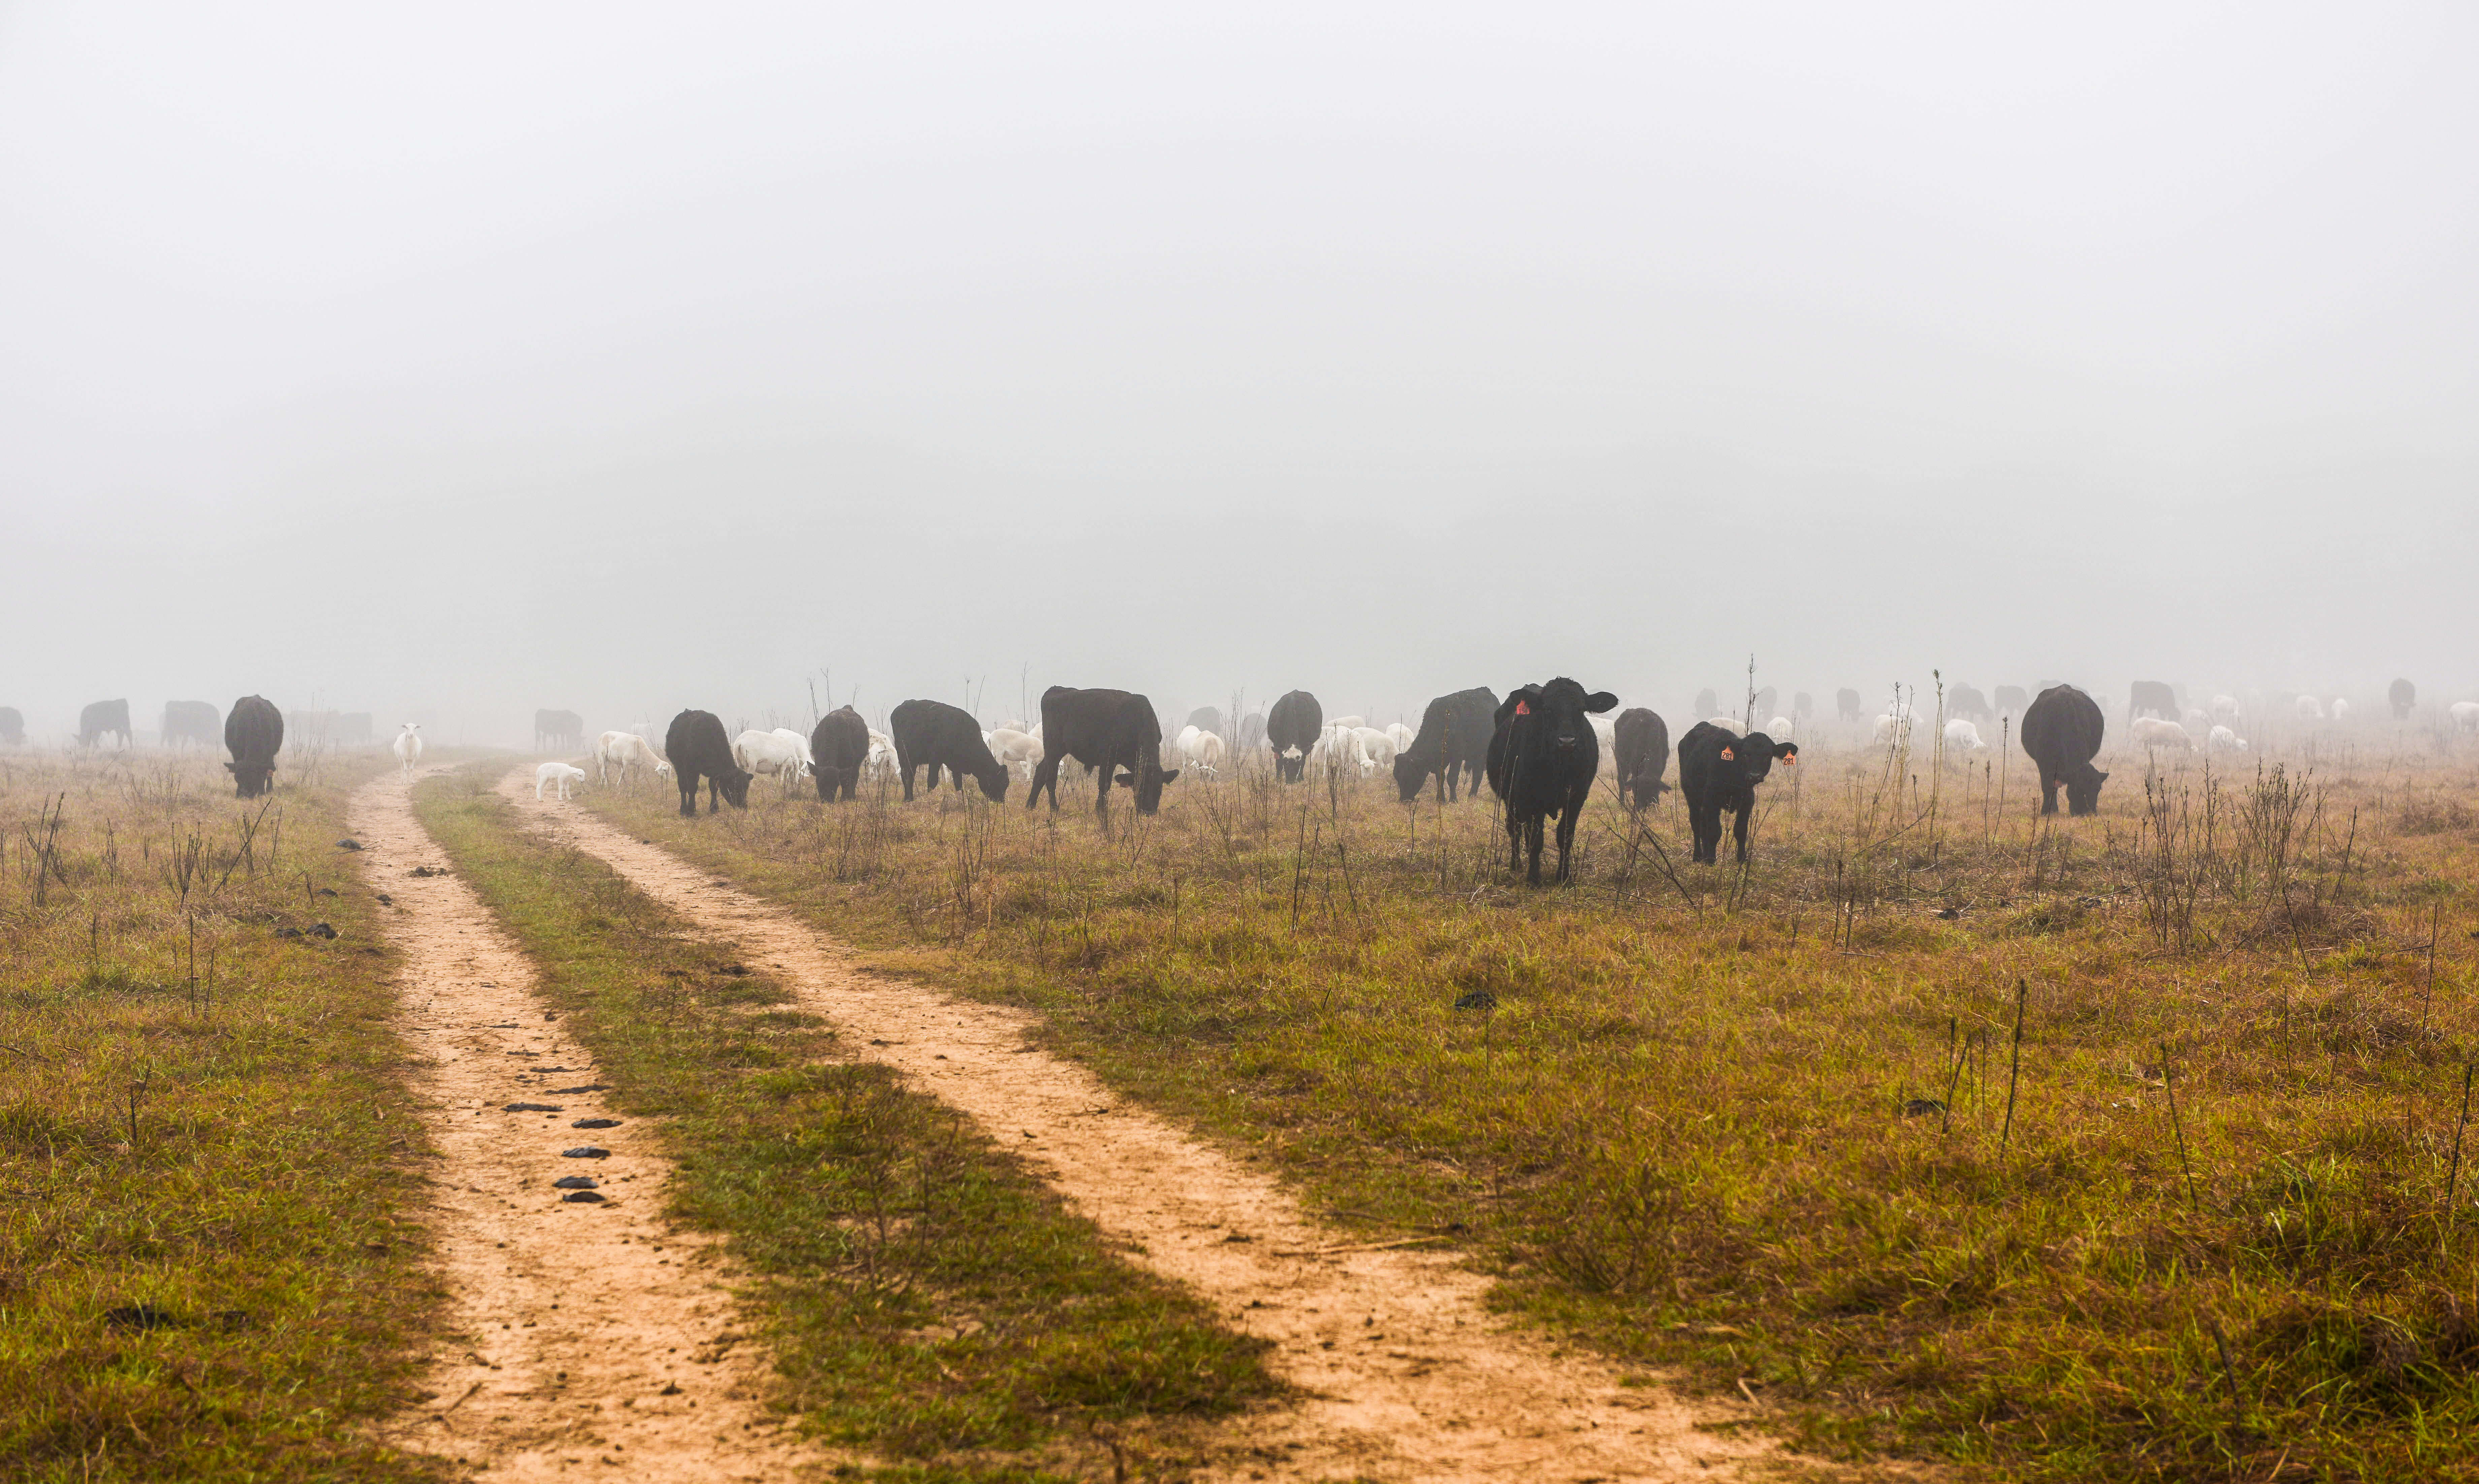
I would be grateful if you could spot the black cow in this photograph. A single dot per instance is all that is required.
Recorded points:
(1543, 757)
(2061, 731)
(1252, 732)
(1966, 700)
(1205, 719)
(1455, 733)
(837, 748)
(2150, 698)
(2402, 695)
(253, 733)
(934, 734)
(1642, 743)
(2011, 699)
(1106, 731)
(1846, 704)
(103, 716)
(12, 727)
(1707, 703)
(1803, 705)
(1291, 729)
(559, 731)
(1764, 707)
(698, 748)
(1718, 771)
(189, 721)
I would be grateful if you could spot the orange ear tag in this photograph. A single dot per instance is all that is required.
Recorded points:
(1792, 758)
(1729, 756)
(1523, 708)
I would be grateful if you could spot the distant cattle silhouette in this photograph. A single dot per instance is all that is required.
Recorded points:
(101, 718)
(1966, 702)
(698, 749)
(12, 727)
(1252, 732)
(1452, 742)
(1204, 719)
(1641, 740)
(2402, 695)
(1291, 729)
(936, 736)
(1846, 704)
(2150, 698)
(557, 731)
(838, 746)
(2061, 731)
(1543, 756)
(191, 721)
(253, 733)
(2011, 700)
(1803, 705)
(1706, 701)
(1106, 731)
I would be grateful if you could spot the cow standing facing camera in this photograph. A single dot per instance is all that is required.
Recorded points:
(1719, 772)
(1542, 761)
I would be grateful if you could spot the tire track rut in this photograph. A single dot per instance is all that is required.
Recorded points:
(1407, 1374)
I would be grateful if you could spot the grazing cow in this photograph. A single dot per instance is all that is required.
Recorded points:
(2402, 695)
(1718, 773)
(1846, 705)
(1454, 735)
(1764, 700)
(764, 752)
(700, 752)
(2221, 739)
(1708, 702)
(1252, 732)
(623, 752)
(1106, 731)
(1640, 743)
(1966, 700)
(838, 748)
(1018, 749)
(1543, 756)
(2464, 714)
(1893, 729)
(1291, 727)
(558, 731)
(12, 727)
(407, 747)
(1205, 719)
(1201, 750)
(1962, 736)
(2011, 700)
(253, 733)
(103, 716)
(2151, 731)
(2150, 698)
(557, 773)
(2310, 708)
(1803, 705)
(936, 736)
(189, 721)
(2061, 731)
(1376, 750)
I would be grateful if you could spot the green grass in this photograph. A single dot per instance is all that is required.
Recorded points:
(1679, 1134)
(253, 1200)
(926, 1299)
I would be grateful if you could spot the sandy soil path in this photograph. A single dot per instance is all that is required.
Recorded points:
(1409, 1376)
(590, 1336)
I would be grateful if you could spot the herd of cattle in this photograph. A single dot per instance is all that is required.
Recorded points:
(1540, 749)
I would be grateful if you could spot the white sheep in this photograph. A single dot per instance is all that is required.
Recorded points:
(1347, 721)
(2225, 709)
(1376, 750)
(2464, 714)
(559, 773)
(768, 751)
(1200, 749)
(2221, 739)
(2311, 708)
(623, 752)
(1730, 725)
(1893, 727)
(2339, 709)
(1961, 736)
(1401, 735)
(2158, 732)
(407, 746)
(1018, 749)
(1781, 727)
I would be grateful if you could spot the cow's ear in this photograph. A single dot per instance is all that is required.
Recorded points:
(2098, 776)
(1171, 776)
(1787, 751)
(1126, 780)
(1601, 701)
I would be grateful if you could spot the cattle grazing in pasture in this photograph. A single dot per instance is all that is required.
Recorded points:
(1291, 727)
(1893, 729)
(557, 774)
(407, 747)
(1963, 737)
(700, 753)
(2062, 732)
(1201, 750)
(12, 727)
(1764, 703)
(1252, 732)
(2221, 739)
(253, 733)
(1803, 705)
(623, 754)
(755, 752)
(1708, 702)
(1453, 739)
(2310, 709)
(1846, 705)
(558, 731)
(2464, 714)
(1543, 757)
(189, 722)
(1107, 731)
(1375, 750)
(1966, 700)
(1639, 741)
(101, 717)
(2402, 695)
(2011, 700)
(880, 767)
(1718, 774)
(2150, 698)
(838, 748)
(2153, 732)
(1204, 719)
(1019, 750)
(939, 736)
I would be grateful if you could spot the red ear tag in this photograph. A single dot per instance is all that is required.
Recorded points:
(1523, 708)
(1792, 758)
(1729, 756)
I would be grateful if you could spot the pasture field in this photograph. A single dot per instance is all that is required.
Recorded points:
(2121, 1147)
(208, 1268)
(925, 1301)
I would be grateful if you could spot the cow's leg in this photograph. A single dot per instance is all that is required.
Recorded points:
(1707, 819)
(687, 779)
(1567, 838)
(904, 765)
(1739, 828)
(1045, 775)
(1532, 848)
(1101, 793)
(2048, 790)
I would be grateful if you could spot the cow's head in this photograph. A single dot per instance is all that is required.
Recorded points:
(2083, 788)
(1553, 715)
(1409, 776)
(734, 785)
(1753, 756)
(994, 783)
(251, 779)
(1147, 782)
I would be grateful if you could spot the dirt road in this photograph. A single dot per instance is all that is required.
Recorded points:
(1409, 1376)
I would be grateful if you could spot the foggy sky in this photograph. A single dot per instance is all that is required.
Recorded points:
(451, 362)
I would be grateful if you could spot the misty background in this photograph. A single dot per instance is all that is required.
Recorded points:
(453, 361)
